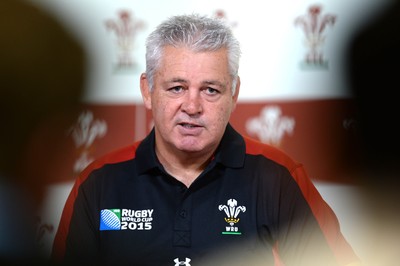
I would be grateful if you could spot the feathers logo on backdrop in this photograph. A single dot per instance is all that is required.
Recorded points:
(125, 28)
(314, 25)
(270, 126)
(84, 133)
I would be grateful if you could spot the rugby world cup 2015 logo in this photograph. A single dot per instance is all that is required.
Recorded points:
(232, 211)
(125, 219)
(110, 219)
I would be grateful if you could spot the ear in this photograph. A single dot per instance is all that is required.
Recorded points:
(145, 90)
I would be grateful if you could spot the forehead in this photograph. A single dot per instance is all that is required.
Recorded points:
(180, 61)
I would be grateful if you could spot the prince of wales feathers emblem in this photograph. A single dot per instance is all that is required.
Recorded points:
(232, 211)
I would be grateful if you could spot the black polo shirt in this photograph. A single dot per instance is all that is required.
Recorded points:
(248, 203)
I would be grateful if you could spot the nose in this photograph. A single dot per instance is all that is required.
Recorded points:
(192, 103)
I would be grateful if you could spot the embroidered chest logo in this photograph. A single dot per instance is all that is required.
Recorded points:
(125, 219)
(232, 211)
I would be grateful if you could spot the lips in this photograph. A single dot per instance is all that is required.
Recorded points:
(190, 128)
(187, 125)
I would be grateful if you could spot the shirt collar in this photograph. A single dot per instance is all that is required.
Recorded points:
(230, 152)
(232, 149)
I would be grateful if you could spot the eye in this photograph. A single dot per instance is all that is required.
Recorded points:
(211, 91)
(176, 89)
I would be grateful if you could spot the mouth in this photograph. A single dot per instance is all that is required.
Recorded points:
(190, 129)
(187, 125)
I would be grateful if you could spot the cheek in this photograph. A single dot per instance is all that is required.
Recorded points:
(161, 109)
(222, 115)
(226, 110)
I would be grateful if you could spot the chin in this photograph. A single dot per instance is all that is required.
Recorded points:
(190, 146)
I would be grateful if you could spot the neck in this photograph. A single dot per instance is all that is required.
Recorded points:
(184, 167)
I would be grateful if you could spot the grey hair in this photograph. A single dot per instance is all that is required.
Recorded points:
(196, 32)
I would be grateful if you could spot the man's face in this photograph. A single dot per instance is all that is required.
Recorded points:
(191, 101)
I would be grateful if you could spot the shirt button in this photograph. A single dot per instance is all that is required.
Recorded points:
(183, 214)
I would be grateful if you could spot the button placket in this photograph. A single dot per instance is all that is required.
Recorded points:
(182, 226)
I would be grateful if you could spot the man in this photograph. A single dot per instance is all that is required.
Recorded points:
(194, 191)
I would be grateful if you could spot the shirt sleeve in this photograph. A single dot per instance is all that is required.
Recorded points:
(299, 239)
(76, 237)
(326, 219)
(82, 243)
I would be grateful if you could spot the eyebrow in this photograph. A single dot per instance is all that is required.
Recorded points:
(206, 82)
(214, 82)
(180, 80)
